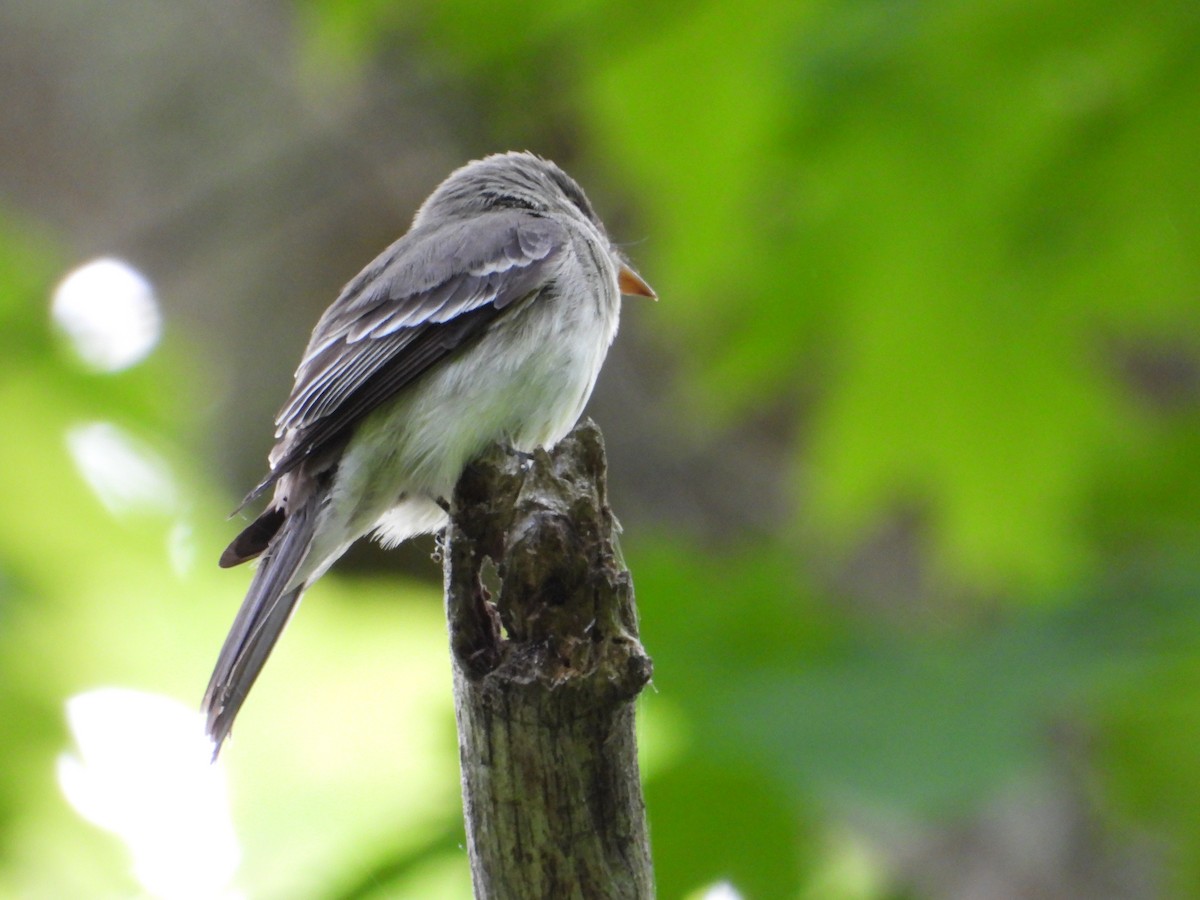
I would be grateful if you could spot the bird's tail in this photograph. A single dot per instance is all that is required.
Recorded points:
(269, 604)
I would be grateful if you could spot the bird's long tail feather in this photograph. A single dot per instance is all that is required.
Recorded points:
(269, 604)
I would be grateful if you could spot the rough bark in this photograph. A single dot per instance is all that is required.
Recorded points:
(545, 676)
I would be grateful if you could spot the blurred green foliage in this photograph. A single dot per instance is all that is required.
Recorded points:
(957, 245)
(939, 215)
(91, 596)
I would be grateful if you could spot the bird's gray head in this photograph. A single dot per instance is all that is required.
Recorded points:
(507, 181)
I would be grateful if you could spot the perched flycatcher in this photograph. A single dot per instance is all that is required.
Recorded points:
(488, 321)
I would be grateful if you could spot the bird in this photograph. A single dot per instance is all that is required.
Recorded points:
(487, 321)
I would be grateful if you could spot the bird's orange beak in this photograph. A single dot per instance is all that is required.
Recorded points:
(631, 282)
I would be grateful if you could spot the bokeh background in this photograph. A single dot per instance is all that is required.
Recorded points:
(907, 455)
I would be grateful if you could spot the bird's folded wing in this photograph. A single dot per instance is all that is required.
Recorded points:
(429, 294)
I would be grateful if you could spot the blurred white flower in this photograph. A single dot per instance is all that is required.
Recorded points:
(181, 548)
(144, 772)
(108, 310)
(722, 890)
(125, 474)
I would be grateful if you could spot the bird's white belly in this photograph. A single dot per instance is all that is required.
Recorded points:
(525, 383)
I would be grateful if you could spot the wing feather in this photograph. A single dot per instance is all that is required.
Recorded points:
(427, 295)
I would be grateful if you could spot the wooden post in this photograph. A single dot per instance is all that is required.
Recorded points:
(545, 676)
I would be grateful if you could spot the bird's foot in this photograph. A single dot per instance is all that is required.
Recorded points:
(526, 457)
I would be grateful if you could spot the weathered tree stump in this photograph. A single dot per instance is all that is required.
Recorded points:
(545, 677)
